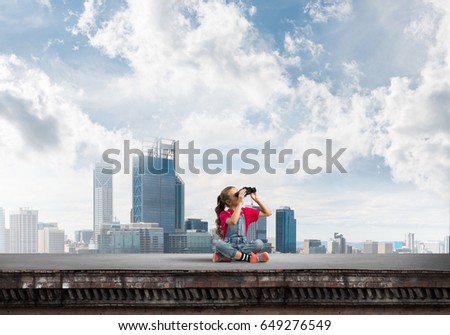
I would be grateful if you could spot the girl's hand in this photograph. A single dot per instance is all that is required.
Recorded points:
(241, 196)
(254, 196)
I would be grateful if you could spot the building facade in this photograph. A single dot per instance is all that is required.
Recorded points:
(385, 247)
(370, 247)
(158, 191)
(286, 230)
(51, 240)
(197, 225)
(103, 198)
(23, 231)
(2, 231)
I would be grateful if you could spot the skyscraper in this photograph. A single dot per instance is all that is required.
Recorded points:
(103, 198)
(23, 231)
(286, 230)
(411, 244)
(2, 231)
(158, 191)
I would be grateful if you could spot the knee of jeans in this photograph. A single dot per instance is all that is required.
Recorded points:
(220, 244)
(259, 245)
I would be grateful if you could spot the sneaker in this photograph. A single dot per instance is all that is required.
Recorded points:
(262, 257)
(218, 257)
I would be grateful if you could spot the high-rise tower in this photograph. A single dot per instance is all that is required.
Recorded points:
(23, 231)
(103, 198)
(286, 230)
(158, 191)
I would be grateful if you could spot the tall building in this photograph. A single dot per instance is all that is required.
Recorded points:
(447, 244)
(2, 231)
(158, 191)
(103, 198)
(339, 238)
(410, 243)
(332, 246)
(286, 230)
(23, 231)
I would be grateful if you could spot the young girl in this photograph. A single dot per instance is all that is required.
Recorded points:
(232, 226)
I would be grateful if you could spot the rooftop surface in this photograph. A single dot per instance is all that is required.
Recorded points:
(202, 262)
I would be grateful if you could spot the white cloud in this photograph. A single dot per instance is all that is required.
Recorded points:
(87, 20)
(295, 43)
(414, 122)
(46, 3)
(323, 10)
(192, 48)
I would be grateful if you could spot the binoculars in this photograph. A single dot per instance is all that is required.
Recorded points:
(248, 190)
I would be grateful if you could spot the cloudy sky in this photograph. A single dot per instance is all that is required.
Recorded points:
(77, 78)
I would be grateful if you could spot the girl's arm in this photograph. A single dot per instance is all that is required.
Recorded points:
(234, 218)
(265, 211)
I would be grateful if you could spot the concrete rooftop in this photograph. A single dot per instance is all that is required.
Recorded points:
(202, 262)
(187, 284)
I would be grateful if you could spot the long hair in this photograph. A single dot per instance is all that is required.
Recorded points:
(221, 204)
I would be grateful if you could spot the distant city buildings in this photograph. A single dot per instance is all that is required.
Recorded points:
(103, 198)
(286, 230)
(313, 247)
(190, 242)
(370, 247)
(430, 247)
(131, 238)
(385, 247)
(84, 236)
(197, 225)
(337, 245)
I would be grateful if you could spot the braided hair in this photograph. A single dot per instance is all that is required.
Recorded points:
(221, 204)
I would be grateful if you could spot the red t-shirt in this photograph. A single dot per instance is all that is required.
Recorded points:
(250, 214)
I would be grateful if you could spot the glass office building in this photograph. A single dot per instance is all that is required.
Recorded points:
(158, 191)
(286, 230)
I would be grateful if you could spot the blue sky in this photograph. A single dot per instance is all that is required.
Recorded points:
(77, 78)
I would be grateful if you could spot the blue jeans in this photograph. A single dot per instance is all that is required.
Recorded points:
(229, 247)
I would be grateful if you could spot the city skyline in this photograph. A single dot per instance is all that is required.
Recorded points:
(77, 79)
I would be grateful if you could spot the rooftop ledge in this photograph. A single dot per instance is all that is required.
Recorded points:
(187, 283)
